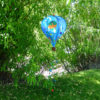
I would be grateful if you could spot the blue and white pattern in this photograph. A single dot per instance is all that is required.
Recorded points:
(53, 27)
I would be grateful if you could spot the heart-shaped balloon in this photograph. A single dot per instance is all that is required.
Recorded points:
(53, 27)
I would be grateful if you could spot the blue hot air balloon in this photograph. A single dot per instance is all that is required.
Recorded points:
(53, 27)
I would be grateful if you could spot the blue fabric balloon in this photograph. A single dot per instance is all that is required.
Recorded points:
(53, 27)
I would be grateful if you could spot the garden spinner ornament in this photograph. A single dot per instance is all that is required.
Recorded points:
(53, 27)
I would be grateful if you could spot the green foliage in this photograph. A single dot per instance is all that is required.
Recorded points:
(21, 37)
(83, 33)
(23, 46)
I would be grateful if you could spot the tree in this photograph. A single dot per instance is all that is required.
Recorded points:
(23, 46)
(83, 33)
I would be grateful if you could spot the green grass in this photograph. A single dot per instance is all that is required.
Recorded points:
(84, 85)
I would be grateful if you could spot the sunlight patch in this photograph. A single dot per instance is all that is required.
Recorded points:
(80, 74)
(98, 82)
(67, 2)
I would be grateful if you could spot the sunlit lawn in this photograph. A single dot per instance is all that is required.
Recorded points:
(83, 85)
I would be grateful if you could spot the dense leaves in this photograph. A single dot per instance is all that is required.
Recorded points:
(24, 48)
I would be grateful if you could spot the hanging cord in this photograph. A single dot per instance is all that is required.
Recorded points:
(54, 54)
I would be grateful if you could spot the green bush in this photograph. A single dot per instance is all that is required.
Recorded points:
(23, 46)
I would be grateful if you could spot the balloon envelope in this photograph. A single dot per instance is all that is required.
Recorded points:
(53, 27)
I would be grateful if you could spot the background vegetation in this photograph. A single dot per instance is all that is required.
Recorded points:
(24, 48)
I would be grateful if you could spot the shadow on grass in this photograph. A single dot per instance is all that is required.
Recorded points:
(83, 85)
